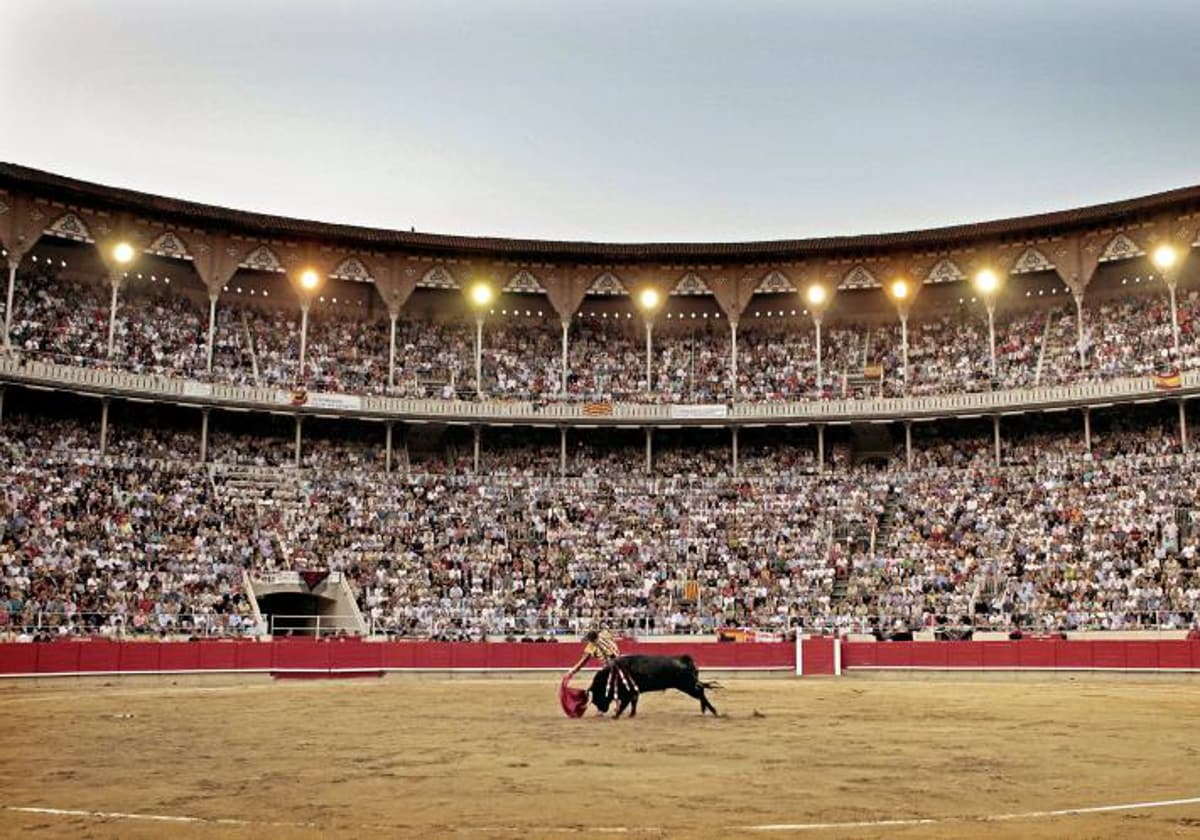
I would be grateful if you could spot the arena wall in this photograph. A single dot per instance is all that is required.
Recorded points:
(816, 656)
(303, 656)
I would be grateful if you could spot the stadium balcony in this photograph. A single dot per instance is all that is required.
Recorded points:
(118, 294)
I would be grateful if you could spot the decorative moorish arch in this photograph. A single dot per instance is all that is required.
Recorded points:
(352, 268)
(607, 283)
(733, 291)
(524, 282)
(395, 279)
(438, 277)
(1031, 260)
(566, 288)
(1120, 247)
(169, 244)
(70, 226)
(774, 283)
(262, 258)
(691, 284)
(944, 270)
(1076, 259)
(22, 224)
(859, 277)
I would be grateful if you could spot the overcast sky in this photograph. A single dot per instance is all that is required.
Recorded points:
(620, 121)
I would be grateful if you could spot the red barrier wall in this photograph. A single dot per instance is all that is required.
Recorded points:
(1025, 654)
(308, 656)
(817, 658)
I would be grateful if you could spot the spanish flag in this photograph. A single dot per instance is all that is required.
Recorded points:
(872, 372)
(597, 409)
(1170, 379)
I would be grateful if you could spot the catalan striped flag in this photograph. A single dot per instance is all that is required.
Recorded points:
(594, 409)
(1167, 380)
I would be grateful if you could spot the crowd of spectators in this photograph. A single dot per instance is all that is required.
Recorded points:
(162, 329)
(145, 540)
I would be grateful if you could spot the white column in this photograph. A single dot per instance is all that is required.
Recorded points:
(649, 451)
(904, 345)
(103, 426)
(1174, 322)
(478, 433)
(1087, 429)
(649, 365)
(112, 316)
(479, 355)
(204, 412)
(1183, 433)
(908, 444)
(733, 371)
(996, 436)
(820, 449)
(303, 338)
(991, 311)
(212, 331)
(562, 386)
(8, 306)
(392, 353)
(299, 423)
(1079, 327)
(562, 451)
(387, 457)
(817, 321)
(735, 450)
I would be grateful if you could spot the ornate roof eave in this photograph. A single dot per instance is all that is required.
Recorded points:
(260, 225)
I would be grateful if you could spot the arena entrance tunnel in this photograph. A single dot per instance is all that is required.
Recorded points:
(293, 613)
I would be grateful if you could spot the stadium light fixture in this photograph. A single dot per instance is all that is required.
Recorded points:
(648, 299)
(123, 253)
(481, 294)
(987, 282)
(1164, 257)
(309, 279)
(817, 295)
(900, 292)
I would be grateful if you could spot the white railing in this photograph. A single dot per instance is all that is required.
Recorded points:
(120, 382)
(126, 626)
(315, 626)
(465, 624)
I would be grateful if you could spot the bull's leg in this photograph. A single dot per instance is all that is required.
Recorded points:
(697, 691)
(624, 701)
(633, 705)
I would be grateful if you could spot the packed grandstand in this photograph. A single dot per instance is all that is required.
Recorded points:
(536, 486)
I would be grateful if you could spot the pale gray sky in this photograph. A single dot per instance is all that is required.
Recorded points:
(621, 121)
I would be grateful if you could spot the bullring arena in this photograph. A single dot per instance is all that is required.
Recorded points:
(302, 523)
(470, 757)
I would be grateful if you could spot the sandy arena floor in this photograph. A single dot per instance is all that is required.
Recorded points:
(406, 757)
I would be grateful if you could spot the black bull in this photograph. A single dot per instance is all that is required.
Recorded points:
(650, 673)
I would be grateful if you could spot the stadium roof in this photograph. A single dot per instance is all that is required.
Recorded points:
(71, 190)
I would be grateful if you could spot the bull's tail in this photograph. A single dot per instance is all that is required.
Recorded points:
(713, 684)
(690, 665)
